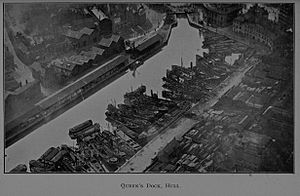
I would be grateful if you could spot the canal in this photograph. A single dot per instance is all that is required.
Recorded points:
(185, 42)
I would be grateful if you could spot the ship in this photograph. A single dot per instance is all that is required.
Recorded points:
(139, 110)
(21, 168)
(74, 130)
(44, 163)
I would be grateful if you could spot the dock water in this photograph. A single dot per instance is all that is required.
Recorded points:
(150, 73)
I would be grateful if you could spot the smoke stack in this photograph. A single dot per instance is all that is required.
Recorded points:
(191, 65)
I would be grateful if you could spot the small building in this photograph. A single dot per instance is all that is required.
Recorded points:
(83, 37)
(113, 44)
(104, 23)
(219, 14)
(93, 56)
(65, 69)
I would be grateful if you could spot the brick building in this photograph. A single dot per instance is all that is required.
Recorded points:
(255, 25)
(221, 15)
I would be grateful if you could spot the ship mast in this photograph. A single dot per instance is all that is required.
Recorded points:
(181, 61)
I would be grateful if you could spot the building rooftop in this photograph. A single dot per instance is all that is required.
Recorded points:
(63, 63)
(115, 37)
(93, 52)
(222, 8)
(80, 23)
(79, 59)
(98, 13)
(78, 34)
(148, 42)
(106, 42)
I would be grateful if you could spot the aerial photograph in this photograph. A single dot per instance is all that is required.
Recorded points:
(93, 88)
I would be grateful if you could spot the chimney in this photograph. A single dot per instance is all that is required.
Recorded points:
(191, 65)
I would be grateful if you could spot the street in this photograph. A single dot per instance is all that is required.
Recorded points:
(23, 72)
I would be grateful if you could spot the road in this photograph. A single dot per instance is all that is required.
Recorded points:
(226, 85)
(23, 72)
(143, 158)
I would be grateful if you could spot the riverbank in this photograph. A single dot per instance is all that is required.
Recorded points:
(39, 117)
(21, 133)
(54, 132)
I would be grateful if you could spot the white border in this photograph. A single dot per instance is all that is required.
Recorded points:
(191, 184)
